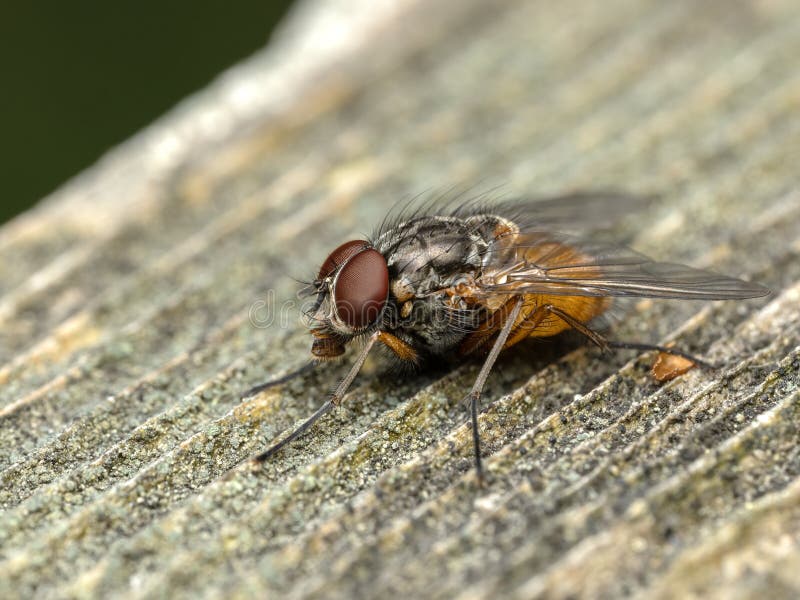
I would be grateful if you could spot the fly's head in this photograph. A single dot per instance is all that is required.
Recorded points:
(352, 289)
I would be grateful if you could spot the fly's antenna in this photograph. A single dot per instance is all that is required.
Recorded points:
(337, 396)
(280, 380)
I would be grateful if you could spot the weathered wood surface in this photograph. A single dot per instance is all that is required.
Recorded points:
(125, 335)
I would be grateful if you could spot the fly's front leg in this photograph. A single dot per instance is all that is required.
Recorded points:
(401, 349)
(254, 391)
(334, 401)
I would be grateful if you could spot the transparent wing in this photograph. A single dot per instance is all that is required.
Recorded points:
(571, 213)
(542, 263)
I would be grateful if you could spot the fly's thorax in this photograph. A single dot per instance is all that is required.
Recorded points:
(434, 263)
(499, 231)
(431, 324)
(430, 254)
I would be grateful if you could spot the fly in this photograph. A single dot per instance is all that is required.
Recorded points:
(480, 279)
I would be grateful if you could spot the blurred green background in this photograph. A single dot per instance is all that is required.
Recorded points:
(80, 77)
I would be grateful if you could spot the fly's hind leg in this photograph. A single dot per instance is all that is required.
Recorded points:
(605, 344)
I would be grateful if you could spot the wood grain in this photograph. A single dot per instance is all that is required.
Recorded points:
(135, 307)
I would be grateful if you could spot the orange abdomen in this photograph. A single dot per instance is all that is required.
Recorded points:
(582, 308)
(535, 319)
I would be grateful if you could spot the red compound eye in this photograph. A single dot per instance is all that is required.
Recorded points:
(361, 288)
(339, 256)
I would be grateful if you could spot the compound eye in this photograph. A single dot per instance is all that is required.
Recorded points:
(339, 256)
(361, 289)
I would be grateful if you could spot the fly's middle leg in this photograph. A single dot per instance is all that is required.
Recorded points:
(475, 393)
